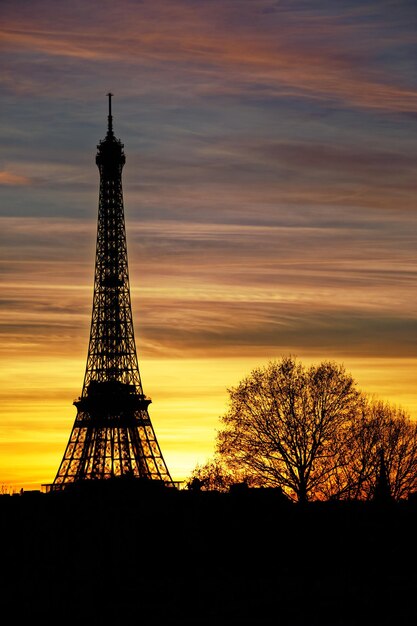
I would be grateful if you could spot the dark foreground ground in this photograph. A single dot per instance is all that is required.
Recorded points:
(204, 558)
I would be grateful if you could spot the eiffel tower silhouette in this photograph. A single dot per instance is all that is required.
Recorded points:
(112, 435)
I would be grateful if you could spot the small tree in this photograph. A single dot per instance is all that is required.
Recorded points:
(285, 423)
(212, 476)
(6, 490)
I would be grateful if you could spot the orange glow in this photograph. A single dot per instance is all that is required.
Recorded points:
(188, 396)
(9, 178)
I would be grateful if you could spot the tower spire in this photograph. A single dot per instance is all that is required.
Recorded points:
(110, 117)
(112, 435)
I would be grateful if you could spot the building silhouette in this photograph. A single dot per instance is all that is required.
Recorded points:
(112, 435)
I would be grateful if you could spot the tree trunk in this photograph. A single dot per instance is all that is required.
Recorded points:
(302, 491)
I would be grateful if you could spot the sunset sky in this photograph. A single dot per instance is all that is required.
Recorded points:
(270, 201)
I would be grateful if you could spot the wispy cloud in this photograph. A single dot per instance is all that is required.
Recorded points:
(278, 53)
(13, 180)
(212, 289)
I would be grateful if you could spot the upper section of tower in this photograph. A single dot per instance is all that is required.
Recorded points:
(110, 157)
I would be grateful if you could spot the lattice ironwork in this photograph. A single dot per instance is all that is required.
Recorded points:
(112, 435)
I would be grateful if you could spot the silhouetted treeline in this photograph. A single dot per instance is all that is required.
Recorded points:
(312, 433)
(250, 556)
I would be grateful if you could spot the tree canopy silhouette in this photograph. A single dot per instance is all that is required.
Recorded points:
(284, 424)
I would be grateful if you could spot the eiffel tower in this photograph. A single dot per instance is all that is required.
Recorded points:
(112, 435)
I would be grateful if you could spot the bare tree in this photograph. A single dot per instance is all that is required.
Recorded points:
(284, 423)
(212, 476)
(383, 429)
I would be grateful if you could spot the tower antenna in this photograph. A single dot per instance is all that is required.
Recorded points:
(110, 117)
